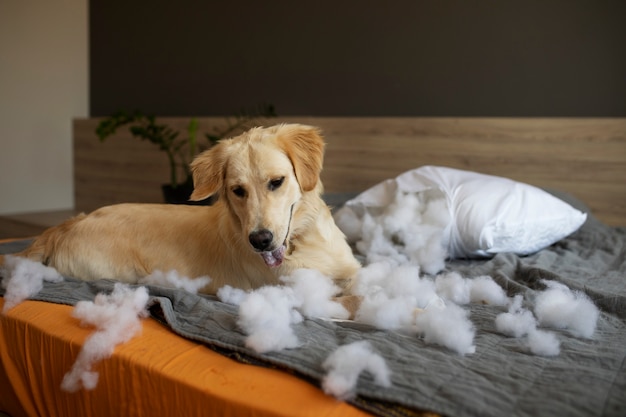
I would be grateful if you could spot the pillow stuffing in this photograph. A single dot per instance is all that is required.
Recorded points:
(487, 214)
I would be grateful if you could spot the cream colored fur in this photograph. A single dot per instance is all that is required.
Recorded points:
(265, 179)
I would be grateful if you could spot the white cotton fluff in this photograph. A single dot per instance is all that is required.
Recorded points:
(345, 365)
(543, 343)
(116, 319)
(409, 230)
(390, 294)
(351, 225)
(429, 251)
(314, 292)
(452, 286)
(516, 324)
(405, 209)
(483, 289)
(386, 313)
(561, 308)
(266, 315)
(373, 277)
(449, 327)
(519, 322)
(24, 278)
(375, 245)
(394, 281)
(426, 243)
(173, 279)
(231, 295)
(393, 294)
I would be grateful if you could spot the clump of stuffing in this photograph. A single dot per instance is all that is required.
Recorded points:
(396, 297)
(519, 322)
(24, 278)
(411, 229)
(231, 295)
(173, 279)
(486, 291)
(562, 308)
(345, 365)
(452, 286)
(315, 292)
(384, 312)
(390, 293)
(116, 318)
(543, 343)
(395, 281)
(350, 224)
(266, 315)
(556, 307)
(447, 326)
(409, 236)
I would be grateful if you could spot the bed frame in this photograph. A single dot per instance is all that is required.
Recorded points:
(582, 156)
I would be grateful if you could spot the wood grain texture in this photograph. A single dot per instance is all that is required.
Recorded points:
(585, 157)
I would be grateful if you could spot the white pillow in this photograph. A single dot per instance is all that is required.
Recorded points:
(489, 214)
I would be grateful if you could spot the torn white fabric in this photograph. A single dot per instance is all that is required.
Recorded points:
(23, 279)
(116, 318)
(345, 364)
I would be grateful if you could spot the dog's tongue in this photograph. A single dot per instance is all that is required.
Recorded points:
(274, 258)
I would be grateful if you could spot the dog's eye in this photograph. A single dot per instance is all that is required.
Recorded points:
(276, 183)
(239, 191)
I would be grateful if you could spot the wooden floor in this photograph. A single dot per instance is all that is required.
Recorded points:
(31, 224)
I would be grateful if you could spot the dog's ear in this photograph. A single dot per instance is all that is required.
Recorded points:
(304, 146)
(208, 171)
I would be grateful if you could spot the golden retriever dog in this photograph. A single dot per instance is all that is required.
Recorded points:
(268, 220)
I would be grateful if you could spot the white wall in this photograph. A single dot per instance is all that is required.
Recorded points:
(43, 86)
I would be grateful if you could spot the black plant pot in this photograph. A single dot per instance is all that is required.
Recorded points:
(181, 193)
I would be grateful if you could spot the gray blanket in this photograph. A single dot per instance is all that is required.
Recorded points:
(588, 378)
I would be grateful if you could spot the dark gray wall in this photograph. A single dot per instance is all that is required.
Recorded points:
(356, 57)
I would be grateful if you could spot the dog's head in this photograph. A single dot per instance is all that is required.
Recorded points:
(262, 175)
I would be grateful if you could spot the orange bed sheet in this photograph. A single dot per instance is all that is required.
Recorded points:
(157, 373)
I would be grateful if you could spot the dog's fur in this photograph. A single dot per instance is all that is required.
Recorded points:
(268, 220)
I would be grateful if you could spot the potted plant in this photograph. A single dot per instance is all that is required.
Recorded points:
(180, 151)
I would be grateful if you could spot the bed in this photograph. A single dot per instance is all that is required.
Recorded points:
(191, 356)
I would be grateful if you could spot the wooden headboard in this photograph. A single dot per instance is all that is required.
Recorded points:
(585, 157)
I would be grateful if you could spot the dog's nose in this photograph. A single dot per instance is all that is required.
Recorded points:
(261, 240)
